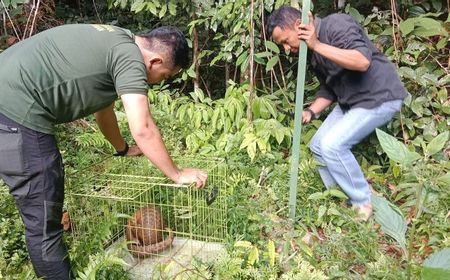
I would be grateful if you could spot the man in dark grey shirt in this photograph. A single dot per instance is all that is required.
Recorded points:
(352, 72)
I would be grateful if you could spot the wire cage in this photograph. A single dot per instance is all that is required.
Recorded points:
(127, 193)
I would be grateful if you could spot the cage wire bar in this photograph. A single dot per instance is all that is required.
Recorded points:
(295, 158)
(110, 192)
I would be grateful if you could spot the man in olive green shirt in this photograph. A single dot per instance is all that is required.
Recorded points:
(64, 74)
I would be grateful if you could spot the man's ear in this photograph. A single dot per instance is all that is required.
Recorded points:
(297, 23)
(156, 60)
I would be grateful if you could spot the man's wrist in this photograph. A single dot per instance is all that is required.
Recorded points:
(124, 152)
(316, 46)
(175, 176)
(313, 115)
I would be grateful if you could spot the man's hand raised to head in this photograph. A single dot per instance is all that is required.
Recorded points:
(351, 59)
(307, 33)
(191, 175)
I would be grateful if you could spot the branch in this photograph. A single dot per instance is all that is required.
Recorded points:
(96, 11)
(28, 20)
(272, 71)
(195, 57)
(12, 23)
(206, 87)
(34, 18)
(395, 26)
(4, 23)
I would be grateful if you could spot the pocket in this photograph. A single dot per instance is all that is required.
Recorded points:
(53, 248)
(11, 152)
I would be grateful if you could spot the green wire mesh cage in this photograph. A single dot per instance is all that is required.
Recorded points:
(125, 193)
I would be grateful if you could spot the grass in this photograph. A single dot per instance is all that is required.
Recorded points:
(336, 245)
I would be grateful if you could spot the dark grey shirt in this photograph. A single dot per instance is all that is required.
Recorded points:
(349, 88)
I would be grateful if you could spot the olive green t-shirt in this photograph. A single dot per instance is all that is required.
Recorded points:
(68, 72)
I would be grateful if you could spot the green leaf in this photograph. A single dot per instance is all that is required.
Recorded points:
(355, 14)
(215, 59)
(172, 8)
(272, 46)
(437, 144)
(251, 150)
(181, 113)
(337, 193)
(322, 211)
(426, 27)
(316, 196)
(260, 61)
(445, 180)
(249, 138)
(416, 11)
(407, 26)
(396, 150)
(391, 221)
(263, 54)
(442, 43)
(263, 145)
(271, 63)
(396, 170)
(191, 72)
(256, 107)
(333, 211)
(437, 266)
(163, 11)
(279, 135)
(151, 7)
(197, 119)
(237, 27)
(137, 7)
(253, 257)
(243, 244)
(244, 65)
(241, 58)
(437, 5)
(271, 252)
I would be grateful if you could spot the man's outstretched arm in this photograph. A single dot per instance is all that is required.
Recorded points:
(148, 138)
(107, 122)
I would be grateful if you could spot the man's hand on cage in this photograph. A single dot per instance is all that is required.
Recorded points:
(191, 175)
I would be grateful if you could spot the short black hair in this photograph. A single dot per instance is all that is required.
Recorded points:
(170, 40)
(284, 17)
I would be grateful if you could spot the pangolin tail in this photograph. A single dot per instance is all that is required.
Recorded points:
(143, 251)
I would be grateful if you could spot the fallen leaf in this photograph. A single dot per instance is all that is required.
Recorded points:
(11, 40)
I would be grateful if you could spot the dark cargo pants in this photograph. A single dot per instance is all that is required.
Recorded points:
(31, 166)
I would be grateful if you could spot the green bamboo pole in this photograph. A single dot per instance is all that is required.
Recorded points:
(295, 157)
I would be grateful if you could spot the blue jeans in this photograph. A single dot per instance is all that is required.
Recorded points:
(332, 144)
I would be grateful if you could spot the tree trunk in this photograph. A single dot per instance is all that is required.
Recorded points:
(340, 4)
(195, 51)
(227, 73)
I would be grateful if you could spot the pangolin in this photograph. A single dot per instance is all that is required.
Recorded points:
(144, 232)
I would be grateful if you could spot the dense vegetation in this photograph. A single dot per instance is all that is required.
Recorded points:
(237, 101)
